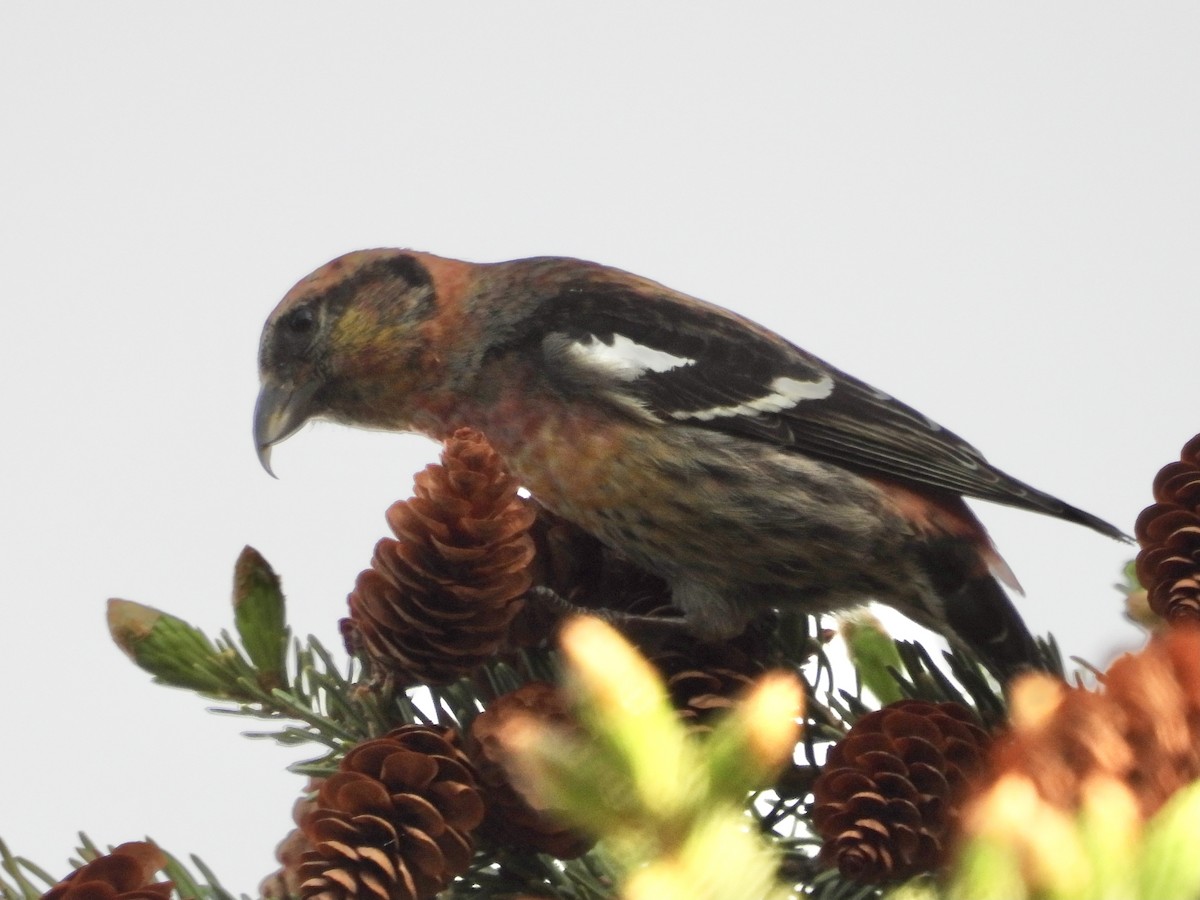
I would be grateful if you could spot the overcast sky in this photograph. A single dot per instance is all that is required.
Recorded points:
(991, 211)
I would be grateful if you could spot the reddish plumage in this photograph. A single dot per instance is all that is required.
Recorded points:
(711, 451)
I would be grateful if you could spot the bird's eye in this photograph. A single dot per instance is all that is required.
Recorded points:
(301, 322)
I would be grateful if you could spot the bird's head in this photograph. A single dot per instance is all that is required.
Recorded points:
(357, 341)
(407, 341)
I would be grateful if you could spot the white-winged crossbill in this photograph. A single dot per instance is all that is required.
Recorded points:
(744, 471)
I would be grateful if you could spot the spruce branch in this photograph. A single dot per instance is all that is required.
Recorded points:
(21, 877)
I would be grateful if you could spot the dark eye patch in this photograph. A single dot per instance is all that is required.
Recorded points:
(299, 322)
(295, 332)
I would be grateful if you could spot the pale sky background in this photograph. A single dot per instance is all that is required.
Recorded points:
(989, 210)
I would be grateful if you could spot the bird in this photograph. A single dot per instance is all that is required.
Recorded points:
(741, 469)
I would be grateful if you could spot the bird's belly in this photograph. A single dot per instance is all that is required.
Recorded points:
(699, 505)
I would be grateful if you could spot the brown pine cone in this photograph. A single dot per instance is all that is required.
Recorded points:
(889, 790)
(705, 680)
(285, 881)
(126, 873)
(395, 822)
(511, 821)
(1159, 692)
(1168, 565)
(1060, 737)
(438, 602)
(289, 853)
(1142, 729)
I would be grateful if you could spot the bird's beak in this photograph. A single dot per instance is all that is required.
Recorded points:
(280, 411)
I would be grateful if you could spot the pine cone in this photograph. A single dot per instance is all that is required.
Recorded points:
(289, 853)
(1159, 692)
(510, 820)
(704, 680)
(1060, 737)
(438, 602)
(888, 793)
(1141, 730)
(126, 873)
(1168, 565)
(395, 821)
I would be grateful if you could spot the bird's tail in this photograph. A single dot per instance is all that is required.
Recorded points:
(1023, 496)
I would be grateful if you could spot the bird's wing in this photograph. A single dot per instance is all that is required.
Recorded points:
(700, 365)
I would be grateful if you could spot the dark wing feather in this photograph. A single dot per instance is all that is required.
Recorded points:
(734, 364)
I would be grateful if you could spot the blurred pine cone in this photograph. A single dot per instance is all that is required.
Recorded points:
(395, 822)
(1159, 693)
(1168, 565)
(1059, 736)
(438, 602)
(705, 680)
(511, 821)
(125, 873)
(1141, 730)
(889, 791)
